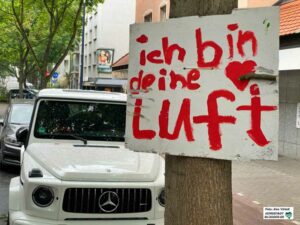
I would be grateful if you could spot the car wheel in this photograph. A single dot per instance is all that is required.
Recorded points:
(2, 166)
(1, 161)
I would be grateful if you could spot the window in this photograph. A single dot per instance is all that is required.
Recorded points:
(94, 69)
(95, 58)
(90, 71)
(90, 59)
(95, 32)
(85, 60)
(21, 114)
(163, 13)
(148, 18)
(91, 35)
(66, 64)
(80, 120)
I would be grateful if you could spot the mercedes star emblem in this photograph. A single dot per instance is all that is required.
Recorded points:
(109, 201)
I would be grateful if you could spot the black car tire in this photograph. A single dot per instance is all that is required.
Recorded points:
(2, 166)
(1, 163)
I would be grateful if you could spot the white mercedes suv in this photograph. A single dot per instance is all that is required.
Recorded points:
(76, 170)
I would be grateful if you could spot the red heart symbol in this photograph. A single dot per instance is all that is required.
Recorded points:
(235, 70)
(142, 39)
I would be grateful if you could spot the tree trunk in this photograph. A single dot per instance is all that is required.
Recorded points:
(180, 8)
(43, 80)
(21, 89)
(198, 190)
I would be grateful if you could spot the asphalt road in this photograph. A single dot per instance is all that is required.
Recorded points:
(5, 176)
(245, 212)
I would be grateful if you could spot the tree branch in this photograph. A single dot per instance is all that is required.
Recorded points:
(23, 33)
(75, 27)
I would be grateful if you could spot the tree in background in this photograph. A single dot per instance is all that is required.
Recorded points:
(48, 28)
(15, 59)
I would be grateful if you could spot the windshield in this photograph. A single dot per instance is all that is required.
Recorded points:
(88, 120)
(21, 113)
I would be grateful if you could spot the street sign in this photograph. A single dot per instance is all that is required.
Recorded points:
(47, 74)
(53, 80)
(55, 75)
(185, 93)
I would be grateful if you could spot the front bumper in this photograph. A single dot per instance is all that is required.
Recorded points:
(11, 155)
(20, 218)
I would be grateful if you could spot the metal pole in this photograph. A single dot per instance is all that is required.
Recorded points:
(82, 46)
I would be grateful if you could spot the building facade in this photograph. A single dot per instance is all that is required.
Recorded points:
(289, 73)
(61, 80)
(146, 11)
(256, 3)
(152, 10)
(106, 39)
(289, 79)
(107, 34)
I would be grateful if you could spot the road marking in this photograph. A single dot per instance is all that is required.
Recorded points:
(256, 202)
(240, 194)
(296, 222)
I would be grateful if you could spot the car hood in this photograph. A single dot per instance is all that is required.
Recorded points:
(96, 163)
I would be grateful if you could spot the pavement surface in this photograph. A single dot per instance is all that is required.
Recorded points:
(5, 176)
(259, 184)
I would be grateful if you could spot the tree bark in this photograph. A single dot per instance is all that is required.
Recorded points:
(21, 82)
(198, 190)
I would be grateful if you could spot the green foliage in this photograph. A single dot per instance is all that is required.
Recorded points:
(45, 30)
(3, 94)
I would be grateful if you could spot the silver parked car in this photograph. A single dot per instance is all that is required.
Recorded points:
(18, 115)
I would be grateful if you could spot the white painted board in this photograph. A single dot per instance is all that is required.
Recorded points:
(221, 117)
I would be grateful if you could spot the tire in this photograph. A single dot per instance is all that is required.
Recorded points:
(2, 166)
(1, 161)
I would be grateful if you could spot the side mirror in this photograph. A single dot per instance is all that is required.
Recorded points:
(1, 122)
(22, 134)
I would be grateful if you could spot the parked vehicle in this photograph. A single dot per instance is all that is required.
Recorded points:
(18, 115)
(27, 93)
(76, 169)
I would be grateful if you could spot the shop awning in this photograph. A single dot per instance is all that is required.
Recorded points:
(111, 83)
(289, 59)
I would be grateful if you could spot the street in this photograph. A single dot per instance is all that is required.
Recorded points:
(259, 184)
(5, 177)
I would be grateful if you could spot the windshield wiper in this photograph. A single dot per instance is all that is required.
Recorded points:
(73, 136)
(78, 138)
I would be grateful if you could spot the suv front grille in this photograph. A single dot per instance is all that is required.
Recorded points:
(107, 200)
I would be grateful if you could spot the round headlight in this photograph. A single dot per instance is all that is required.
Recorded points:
(43, 196)
(162, 198)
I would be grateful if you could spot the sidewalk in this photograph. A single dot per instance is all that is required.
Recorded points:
(269, 183)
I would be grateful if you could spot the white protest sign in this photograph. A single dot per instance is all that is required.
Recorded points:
(185, 96)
